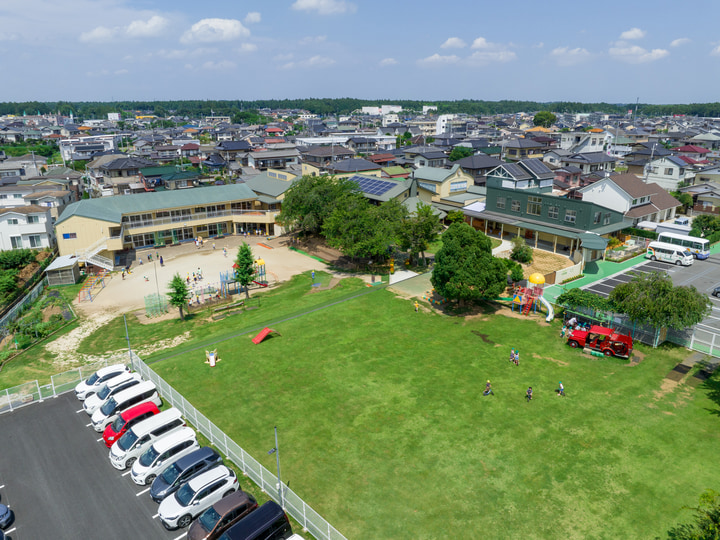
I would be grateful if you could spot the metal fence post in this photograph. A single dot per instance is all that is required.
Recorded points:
(7, 395)
(37, 385)
(52, 384)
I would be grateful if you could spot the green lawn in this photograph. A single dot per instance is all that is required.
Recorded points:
(384, 431)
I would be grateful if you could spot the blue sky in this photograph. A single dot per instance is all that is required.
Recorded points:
(102, 50)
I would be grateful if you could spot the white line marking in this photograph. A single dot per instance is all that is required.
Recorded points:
(2, 486)
(183, 535)
(88, 425)
(81, 410)
(126, 473)
(155, 516)
(10, 530)
(143, 491)
(100, 439)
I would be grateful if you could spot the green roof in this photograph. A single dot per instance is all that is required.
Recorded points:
(181, 175)
(158, 171)
(396, 170)
(435, 174)
(113, 208)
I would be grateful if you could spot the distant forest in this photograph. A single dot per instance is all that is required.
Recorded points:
(195, 108)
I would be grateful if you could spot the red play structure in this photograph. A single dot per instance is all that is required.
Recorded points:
(263, 334)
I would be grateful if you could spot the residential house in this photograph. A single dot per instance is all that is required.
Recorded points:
(697, 153)
(273, 159)
(423, 156)
(668, 171)
(26, 227)
(706, 196)
(362, 145)
(229, 150)
(323, 155)
(478, 166)
(11, 172)
(589, 161)
(518, 149)
(579, 142)
(639, 201)
(344, 168)
(435, 183)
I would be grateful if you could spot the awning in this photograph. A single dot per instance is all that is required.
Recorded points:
(593, 241)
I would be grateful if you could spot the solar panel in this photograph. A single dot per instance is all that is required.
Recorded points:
(536, 166)
(372, 186)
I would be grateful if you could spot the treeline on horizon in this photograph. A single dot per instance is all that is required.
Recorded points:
(195, 108)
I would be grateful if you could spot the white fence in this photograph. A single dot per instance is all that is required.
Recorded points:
(311, 521)
(566, 273)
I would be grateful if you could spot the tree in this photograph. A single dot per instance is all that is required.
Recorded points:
(460, 152)
(521, 252)
(580, 298)
(652, 299)
(244, 267)
(419, 230)
(683, 198)
(465, 268)
(455, 216)
(544, 119)
(707, 520)
(311, 199)
(178, 293)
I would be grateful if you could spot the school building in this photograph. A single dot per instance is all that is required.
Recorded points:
(106, 231)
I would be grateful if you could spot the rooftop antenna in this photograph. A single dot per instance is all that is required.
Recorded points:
(636, 108)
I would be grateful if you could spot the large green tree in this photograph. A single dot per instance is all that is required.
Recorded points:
(651, 298)
(178, 294)
(419, 230)
(544, 119)
(465, 269)
(460, 152)
(244, 267)
(311, 199)
(706, 525)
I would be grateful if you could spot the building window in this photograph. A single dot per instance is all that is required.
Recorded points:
(570, 216)
(34, 240)
(16, 242)
(513, 152)
(553, 212)
(33, 219)
(17, 196)
(458, 186)
(606, 220)
(69, 236)
(500, 203)
(596, 217)
(534, 205)
(3, 196)
(12, 221)
(515, 206)
(634, 202)
(669, 171)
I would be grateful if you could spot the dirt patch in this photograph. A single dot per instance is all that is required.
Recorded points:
(555, 360)
(484, 337)
(544, 262)
(173, 313)
(50, 311)
(27, 273)
(637, 357)
(667, 386)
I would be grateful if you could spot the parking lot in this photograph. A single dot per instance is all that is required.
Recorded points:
(703, 275)
(55, 475)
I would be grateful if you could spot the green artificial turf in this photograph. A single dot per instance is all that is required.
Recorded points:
(385, 432)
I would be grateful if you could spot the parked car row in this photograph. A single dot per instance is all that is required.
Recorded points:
(191, 483)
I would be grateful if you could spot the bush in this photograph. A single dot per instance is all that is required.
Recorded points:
(521, 252)
(614, 242)
(16, 258)
(640, 232)
(516, 271)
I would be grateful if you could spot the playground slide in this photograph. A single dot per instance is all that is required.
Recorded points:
(263, 334)
(548, 306)
(261, 283)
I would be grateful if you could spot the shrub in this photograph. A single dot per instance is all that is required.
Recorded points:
(521, 252)
(614, 242)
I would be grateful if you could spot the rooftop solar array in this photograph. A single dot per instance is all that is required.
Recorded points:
(537, 167)
(372, 186)
(516, 171)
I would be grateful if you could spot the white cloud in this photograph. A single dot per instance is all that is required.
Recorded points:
(288, 65)
(538, 45)
(636, 55)
(633, 33)
(679, 41)
(325, 7)
(121, 72)
(486, 57)
(98, 35)
(453, 43)
(715, 51)
(8, 36)
(438, 60)
(319, 61)
(565, 56)
(211, 30)
(247, 48)
(385, 62)
(309, 40)
(221, 65)
(482, 43)
(252, 18)
(151, 27)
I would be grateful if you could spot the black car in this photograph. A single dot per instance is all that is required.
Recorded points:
(716, 292)
(185, 468)
(6, 516)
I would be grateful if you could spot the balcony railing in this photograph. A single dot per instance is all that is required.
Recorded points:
(174, 220)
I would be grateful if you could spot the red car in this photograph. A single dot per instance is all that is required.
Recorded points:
(604, 340)
(127, 420)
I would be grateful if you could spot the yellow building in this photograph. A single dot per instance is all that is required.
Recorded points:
(103, 231)
(435, 183)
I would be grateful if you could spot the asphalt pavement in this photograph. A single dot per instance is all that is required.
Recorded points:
(58, 480)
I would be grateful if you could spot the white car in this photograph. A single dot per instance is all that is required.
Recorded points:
(96, 380)
(136, 440)
(115, 405)
(196, 496)
(119, 382)
(162, 453)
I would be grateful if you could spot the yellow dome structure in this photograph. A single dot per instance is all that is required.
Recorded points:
(536, 279)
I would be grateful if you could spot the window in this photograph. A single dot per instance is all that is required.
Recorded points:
(500, 203)
(33, 219)
(34, 240)
(69, 236)
(534, 205)
(570, 216)
(3, 196)
(458, 186)
(16, 242)
(634, 202)
(17, 196)
(12, 221)
(513, 152)
(669, 171)
(553, 212)
(596, 217)
(606, 220)
(515, 206)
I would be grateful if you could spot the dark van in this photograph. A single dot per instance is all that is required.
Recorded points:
(268, 522)
(221, 516)
(182, 470)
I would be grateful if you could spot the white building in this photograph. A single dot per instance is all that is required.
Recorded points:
(114, 116)
(382, 110)
(68, 147)
(427, 108)
(26, 227)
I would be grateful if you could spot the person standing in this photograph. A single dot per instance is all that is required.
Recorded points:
(417, 306)
(529, 394)
(517, 358)
(561, 389)
(488, 390)
(161, 261)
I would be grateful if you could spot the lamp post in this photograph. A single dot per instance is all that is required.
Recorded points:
(276, 451)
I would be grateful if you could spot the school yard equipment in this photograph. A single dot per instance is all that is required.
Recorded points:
(263, 334)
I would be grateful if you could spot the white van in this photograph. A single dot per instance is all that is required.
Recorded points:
(140, 393)
(96, 380)
(661, 251)
(137, 439)
(120, 382)
(162, 453)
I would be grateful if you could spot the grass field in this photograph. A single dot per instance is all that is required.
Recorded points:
(384, 431)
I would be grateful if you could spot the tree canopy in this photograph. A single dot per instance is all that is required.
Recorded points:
(419, 230)
(244, 267)
(311, 200)
(178, 293)
(706, 525)
(652, 299)
(460, 152)
(544, 119)
(465, 269)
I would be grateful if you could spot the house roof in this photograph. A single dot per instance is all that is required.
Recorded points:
(353, 165)
(29, 209)
(127, 163)
(233, 146)
(589, 157)
(435, 174)
(478, 161)
(113, 208)
(380, 189)
(328, 151)
(692, 149)
(265, 184)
